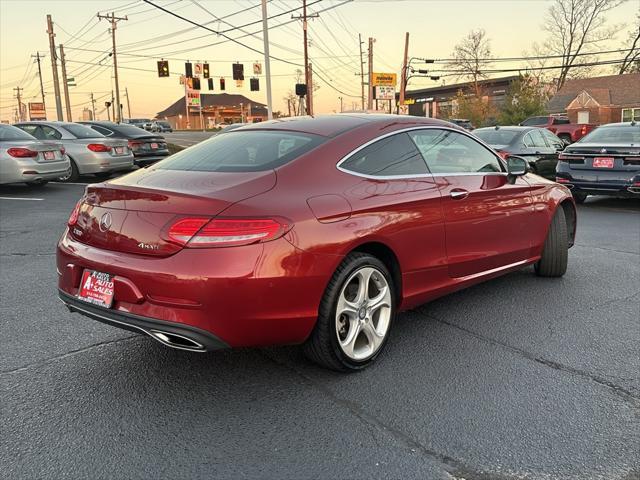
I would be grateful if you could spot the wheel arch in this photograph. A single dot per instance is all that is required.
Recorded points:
(386, 255)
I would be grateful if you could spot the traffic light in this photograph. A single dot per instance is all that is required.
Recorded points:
(163, 68)
(238, 71)
(222, 84)
(205, 70)
(188, 69)
(254, 84)
(107, 104)
(210, 82)
(301, 89)
(196, 83)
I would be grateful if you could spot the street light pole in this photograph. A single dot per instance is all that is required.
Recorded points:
(267, 63)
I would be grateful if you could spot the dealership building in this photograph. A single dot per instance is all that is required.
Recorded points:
(217, 109)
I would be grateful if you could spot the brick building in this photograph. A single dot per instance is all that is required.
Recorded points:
(599, 100)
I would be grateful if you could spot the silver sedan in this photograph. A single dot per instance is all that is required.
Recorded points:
(25, 159)
(88, 150)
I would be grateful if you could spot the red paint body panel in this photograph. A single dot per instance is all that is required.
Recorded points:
(269, 293)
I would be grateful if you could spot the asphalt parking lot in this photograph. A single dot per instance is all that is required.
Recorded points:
(520, 377)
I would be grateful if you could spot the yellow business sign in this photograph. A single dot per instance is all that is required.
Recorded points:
(382, 79)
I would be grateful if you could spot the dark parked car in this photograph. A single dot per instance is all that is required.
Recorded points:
(161, 126)
(462, 122)
(147, 148)
(538, 146)
(605, 162)
(307, 230)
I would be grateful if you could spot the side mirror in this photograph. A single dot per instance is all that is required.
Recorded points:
(516, 166)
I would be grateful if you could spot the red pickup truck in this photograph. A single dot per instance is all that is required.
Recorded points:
(561, 126)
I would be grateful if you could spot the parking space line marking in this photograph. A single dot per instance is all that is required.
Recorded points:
(71, 183)
(22, 198)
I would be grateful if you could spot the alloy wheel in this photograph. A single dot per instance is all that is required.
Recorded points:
(363, 313)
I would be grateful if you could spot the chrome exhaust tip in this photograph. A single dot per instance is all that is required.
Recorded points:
(635, 190)
(174, 340)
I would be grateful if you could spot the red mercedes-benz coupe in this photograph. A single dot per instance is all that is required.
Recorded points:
(307, 230)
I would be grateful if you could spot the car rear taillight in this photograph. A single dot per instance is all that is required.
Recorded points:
(503, 154)
(134, 145)
(203, 232)
(583, 130)
(99, 147)
(562, 180)
(73, 218)
(19, 152)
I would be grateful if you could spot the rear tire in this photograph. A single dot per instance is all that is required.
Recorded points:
(579, 197)
(72, 175)
(38, 184)
(347, 339)
(555, 253)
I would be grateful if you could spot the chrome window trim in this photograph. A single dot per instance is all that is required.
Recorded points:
(421, 175)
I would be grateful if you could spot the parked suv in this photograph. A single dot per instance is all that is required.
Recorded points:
(561, 126)
(161, 126)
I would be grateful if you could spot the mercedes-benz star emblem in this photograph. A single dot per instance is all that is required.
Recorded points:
(604, 150)
(105, 222)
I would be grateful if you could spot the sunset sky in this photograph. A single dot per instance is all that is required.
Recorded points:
(149, 34)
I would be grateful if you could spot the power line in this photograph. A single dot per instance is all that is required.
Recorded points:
(539, 57)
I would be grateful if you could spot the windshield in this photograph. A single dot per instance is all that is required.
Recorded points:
(128, 130)
(625, 134)
(9, 132)
(496, 137)
(82, 131)
(242, 151)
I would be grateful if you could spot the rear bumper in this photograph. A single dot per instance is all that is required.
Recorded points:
(17, 172)
(595, 182)
(182, 337)
(146, 160)
(103, 162)
(251, 296)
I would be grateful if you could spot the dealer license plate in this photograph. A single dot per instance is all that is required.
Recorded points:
(119, 150)
(603, 162)
(96, 288)
(49, 155)
(154, 146)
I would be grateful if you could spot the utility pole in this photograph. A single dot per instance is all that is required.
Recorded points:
(38, 57)
(307, 81)
(267, 63)
(403, 76)
(93, 108)
(341, 108)
(370, 99)
(361, 71)
(17, 90)
(310, 90)
(114, 21)
(54, 68)
(113, 107)
(65, 86)
(126, 94)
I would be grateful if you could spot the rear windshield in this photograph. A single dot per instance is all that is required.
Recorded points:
(243, 151)
(535, 121)
(625, 134)
(82, 131)
(128, 130)
(9, 132)
(496, 137)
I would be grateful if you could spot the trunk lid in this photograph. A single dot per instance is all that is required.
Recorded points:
(133, 213)
(581, 156)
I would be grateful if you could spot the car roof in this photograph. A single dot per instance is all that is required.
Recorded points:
(508, 128)
(620, 124)
(336, 124)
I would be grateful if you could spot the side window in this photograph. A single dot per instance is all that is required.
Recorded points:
(537, 138)
(446, 151)
(31, 130)
(552, 140)
(50, 133)
(104, 131)
(393, 155)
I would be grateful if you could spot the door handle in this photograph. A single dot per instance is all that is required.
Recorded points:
(459, 194)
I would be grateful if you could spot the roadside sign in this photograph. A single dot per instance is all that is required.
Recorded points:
(379, 79)
(409, 101)
(37, 111)
(198, 69)
(384, 92)
(71, 82)
(193, 98)
(257, 68)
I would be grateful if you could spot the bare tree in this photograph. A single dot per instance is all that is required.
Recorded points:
(631, 61)
(575, 27)
(471, 57)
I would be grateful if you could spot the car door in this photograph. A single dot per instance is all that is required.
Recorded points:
(397, 198)
(544, 157)
(487, 215)
(551, 159)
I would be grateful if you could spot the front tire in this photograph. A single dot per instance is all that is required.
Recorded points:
(355, 315)
(555, 254)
